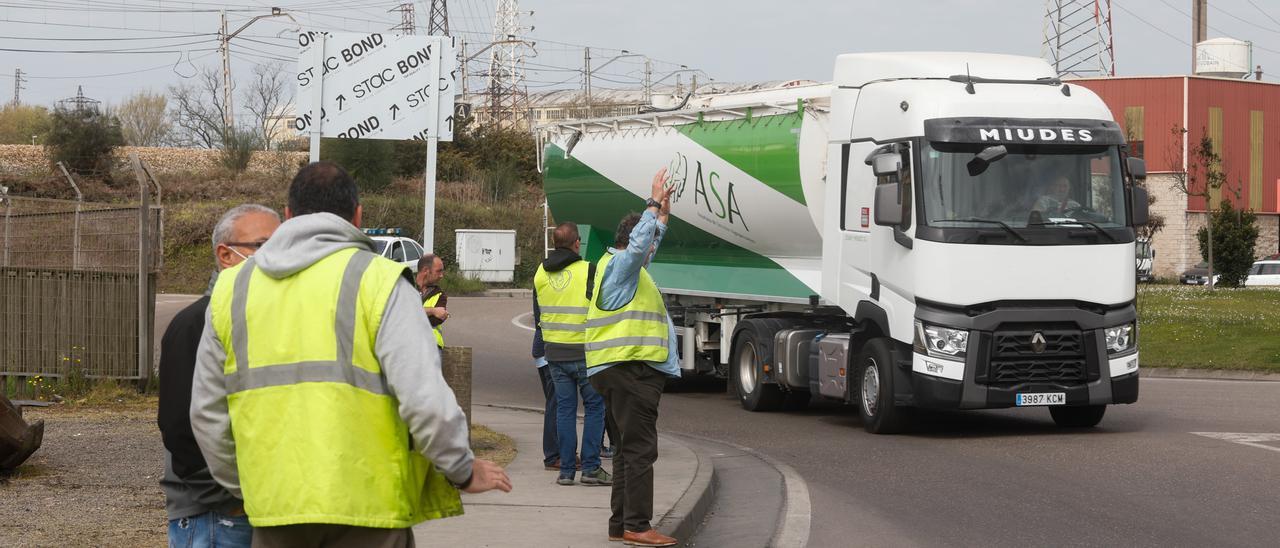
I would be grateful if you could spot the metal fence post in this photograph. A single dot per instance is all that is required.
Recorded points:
(144, 264)
(75, 236)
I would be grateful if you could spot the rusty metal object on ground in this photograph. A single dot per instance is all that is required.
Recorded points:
(18, 440)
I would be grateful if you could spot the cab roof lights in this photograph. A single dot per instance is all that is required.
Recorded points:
(383, 231)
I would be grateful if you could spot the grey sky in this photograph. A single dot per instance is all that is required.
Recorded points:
(731, 40)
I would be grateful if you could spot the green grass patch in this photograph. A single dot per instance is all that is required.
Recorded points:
(1185, 326)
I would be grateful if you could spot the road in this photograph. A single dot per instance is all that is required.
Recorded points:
(1144, 477)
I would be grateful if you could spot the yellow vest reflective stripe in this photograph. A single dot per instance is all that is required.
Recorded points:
(562, 305)
(636, 331)
(437, 329)
(318, 434)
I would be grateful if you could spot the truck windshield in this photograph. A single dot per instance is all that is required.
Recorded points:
(1032, 189)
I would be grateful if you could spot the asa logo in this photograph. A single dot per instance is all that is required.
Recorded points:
(710, 190)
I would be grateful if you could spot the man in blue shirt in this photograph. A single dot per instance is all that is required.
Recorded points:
(632, 389)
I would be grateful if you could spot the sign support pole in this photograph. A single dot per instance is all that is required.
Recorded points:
(433, 140)
(317, 105)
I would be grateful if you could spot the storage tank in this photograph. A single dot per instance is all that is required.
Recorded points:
(1224, 58)
(748, 174)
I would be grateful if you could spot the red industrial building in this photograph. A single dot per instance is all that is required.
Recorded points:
(1241, 118)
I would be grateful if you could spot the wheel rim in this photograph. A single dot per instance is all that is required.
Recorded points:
(871, 388)
(747, 369)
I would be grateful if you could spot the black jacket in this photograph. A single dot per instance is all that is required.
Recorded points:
(558, 260)
(188, 487)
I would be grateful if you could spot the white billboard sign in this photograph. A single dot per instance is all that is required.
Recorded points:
(375, 86)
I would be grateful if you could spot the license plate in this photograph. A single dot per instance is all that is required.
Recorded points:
(1043, 398)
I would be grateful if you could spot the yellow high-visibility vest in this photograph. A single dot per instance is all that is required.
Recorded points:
(562, 304)
(318, 435)
(635, 331)
(437, 329)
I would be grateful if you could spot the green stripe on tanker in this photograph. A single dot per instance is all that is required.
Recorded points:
(690, 259)
(764, 147)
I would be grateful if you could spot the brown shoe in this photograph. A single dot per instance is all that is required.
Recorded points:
(614, 539)
(648, 538)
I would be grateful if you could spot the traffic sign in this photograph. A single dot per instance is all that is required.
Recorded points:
(375, 86)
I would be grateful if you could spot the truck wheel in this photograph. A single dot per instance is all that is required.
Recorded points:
(874, 389)
(746, 375)
(1077, 417)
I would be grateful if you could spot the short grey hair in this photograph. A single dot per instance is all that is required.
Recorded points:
(222, 230)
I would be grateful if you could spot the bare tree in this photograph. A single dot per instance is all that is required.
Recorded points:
(197, 110)
(144, 120)
(1202, 175)
(265, 97)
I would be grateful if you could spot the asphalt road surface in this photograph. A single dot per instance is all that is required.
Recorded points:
(1163, 472)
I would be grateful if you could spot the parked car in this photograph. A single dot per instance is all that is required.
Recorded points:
(1198, 275)
(1264, 272)
(1146, 256)
(389, 243)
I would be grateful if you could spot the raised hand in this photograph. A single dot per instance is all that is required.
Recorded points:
(660, 186)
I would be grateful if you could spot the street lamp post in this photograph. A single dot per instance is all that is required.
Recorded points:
(224, 44)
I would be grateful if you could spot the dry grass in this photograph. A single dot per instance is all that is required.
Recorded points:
(491, 445)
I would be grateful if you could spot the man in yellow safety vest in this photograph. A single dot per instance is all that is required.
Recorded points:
(316, 399)
(630, 351)
(434, 300)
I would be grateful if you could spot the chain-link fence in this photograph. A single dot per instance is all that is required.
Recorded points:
(70, 282)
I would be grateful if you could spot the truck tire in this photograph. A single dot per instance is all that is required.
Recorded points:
(873, 389)
(746, 375)
(1078, 417)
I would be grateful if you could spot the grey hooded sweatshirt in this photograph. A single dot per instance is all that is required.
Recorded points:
(410, 361)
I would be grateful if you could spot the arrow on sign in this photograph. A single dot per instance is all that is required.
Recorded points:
(449, 121)
(394, 109)
(340, 100)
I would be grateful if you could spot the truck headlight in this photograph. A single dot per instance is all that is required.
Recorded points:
(1121, 338)
(942, 342)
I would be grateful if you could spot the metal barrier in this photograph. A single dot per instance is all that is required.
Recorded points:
(77, 289)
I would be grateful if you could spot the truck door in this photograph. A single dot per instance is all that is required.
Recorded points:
(875, 259)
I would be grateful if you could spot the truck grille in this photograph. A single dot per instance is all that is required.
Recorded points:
(1018, 357)
(1020, 371)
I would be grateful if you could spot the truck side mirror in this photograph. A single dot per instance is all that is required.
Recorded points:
(1138, 199)
(1137, 168)
(886, 164)
(888, 207)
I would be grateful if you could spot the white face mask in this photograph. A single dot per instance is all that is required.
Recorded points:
(242, 255)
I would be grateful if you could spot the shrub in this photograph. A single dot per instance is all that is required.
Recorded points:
(83, 139)
(369, 161)
(19, 123)
(238, 145)
(1234, 235)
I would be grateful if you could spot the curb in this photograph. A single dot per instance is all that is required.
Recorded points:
(686, 515)
(512, 293)
(1207, 374)
(684, 518)
(794, 523)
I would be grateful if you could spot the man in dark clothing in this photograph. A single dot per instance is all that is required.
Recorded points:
(201, 512)
(550, 442)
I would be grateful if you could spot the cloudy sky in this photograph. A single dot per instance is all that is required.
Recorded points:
(117, 47)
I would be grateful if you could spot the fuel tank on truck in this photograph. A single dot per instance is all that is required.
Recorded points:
(748, 170)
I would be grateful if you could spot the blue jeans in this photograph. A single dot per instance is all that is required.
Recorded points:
(550, 442)
(210, 530)
(571, 379)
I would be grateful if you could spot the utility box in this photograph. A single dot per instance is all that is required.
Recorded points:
(487, 255)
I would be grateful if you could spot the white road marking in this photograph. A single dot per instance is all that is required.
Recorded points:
(1252, 440)
(516, 321)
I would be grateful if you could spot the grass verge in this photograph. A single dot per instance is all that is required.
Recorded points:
(491, 445)
(1183, 326)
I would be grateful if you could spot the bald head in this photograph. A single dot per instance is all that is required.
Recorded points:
(565, 235)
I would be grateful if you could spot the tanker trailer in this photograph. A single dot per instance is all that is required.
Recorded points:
(936, 230)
